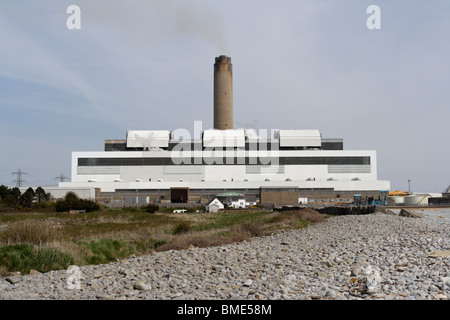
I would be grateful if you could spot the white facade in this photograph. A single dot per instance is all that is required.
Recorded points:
(226, 162)
(341, 177)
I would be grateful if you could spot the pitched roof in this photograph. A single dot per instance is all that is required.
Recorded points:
(216, 201)
(230, 194)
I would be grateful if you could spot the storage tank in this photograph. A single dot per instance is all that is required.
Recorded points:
(416, 200)
(397, 200)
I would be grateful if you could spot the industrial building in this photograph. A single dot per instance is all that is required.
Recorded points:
(278, 167)
(443, 200)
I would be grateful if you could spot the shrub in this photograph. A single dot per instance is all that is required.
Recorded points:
(253, 229)
(308, 215)
(10, 196)
(5, 208)
(182, 227)
(26, 199)
(311, 215)
(88, 205)
(73, 202)
(151, 208)
(24, 257)
(156, 243)
(13, 198)
(41, 195)
(148, 244)
(45, 206)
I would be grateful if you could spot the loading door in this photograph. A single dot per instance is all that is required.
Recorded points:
(179, 195)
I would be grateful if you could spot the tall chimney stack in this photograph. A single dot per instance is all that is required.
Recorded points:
(223, 93)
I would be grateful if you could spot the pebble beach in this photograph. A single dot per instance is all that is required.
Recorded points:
(355, 257)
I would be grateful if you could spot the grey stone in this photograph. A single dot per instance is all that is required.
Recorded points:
(330, 293)
(139, 285)
(446, 280)
(14, 279)
(218, 268)
(248, 283)
(356, 271)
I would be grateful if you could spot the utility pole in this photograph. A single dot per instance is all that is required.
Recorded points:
(61, 178)
(409, 185)
(19, 180)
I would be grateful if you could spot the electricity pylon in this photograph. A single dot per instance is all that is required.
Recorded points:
(61, 178)
(19, 181)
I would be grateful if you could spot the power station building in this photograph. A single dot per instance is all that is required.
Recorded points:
(278, 167)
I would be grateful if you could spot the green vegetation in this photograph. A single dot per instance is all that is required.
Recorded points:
(152, 208)
(12, 198)
(182, 227)
(106, 250)
(24, 257)
(54, 240)
(232, 217)
(73, 202)
(30, 231)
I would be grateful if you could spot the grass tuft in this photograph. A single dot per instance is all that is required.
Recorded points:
(182, 227)
(106, 250)
(24, 257)
(30, 232)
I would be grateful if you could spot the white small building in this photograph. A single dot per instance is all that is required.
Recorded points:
(215, 206)
(236, 202)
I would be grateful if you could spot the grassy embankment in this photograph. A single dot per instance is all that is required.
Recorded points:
(51, 241)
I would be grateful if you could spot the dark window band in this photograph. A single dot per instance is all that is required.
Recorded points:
(348, 160)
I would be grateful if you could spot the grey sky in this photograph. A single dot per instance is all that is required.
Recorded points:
(297, 64)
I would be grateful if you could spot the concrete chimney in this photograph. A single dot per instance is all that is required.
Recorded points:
(223, 93)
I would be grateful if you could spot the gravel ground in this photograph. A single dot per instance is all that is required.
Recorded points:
(376, 256)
